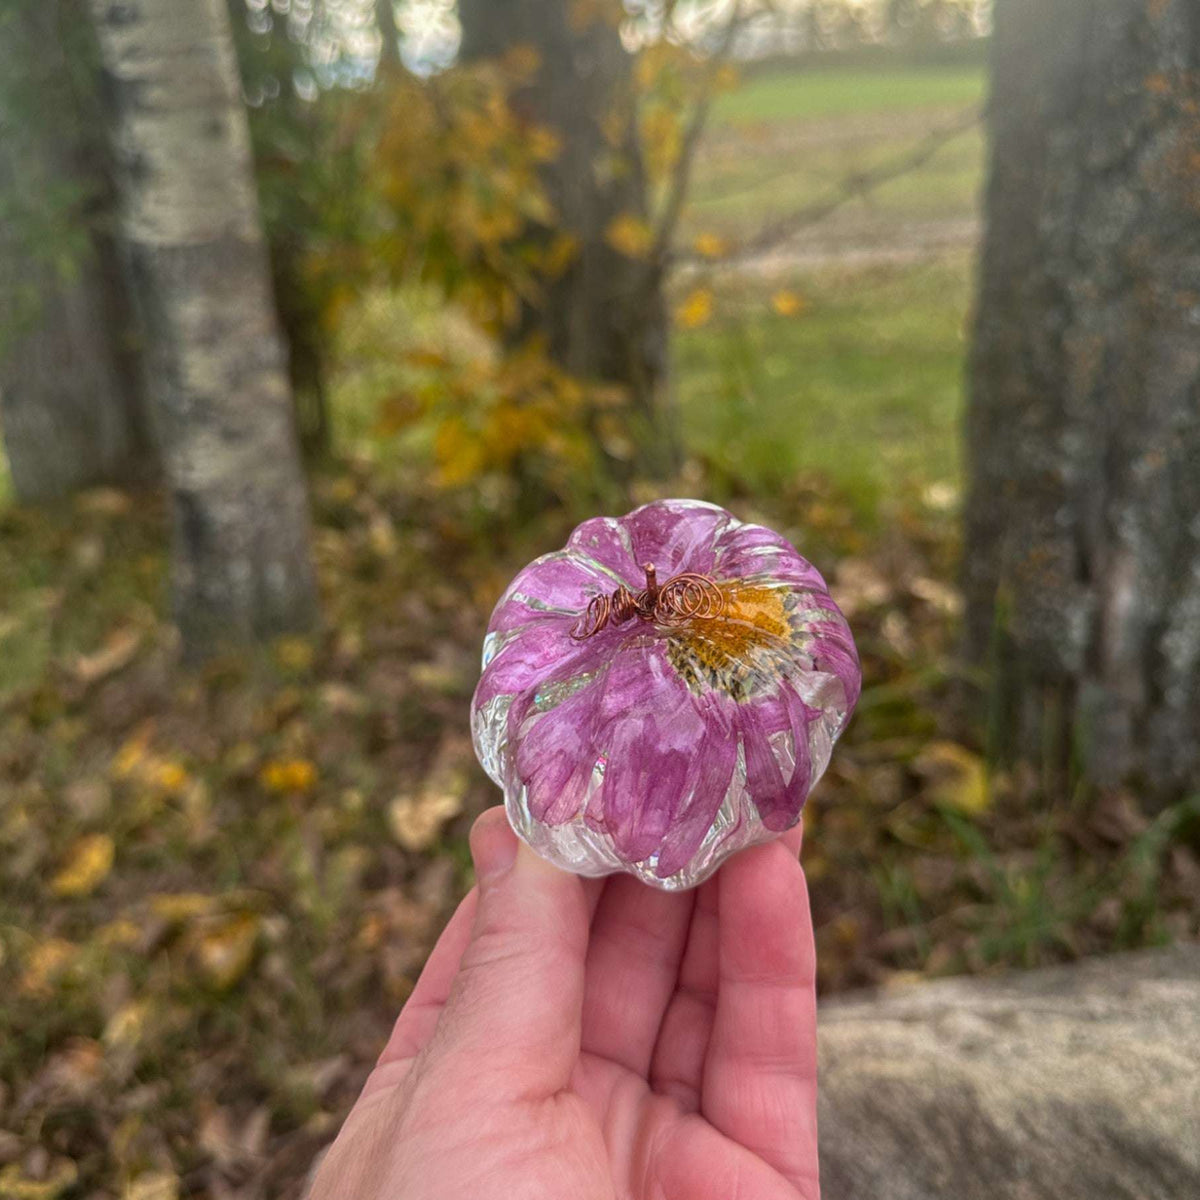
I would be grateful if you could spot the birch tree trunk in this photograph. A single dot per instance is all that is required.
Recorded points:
(605, 317)
(70, 401)
(218, 376)
(1082, 573)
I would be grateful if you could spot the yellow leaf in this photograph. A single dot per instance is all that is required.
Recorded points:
(294, 653)
(44, 963)
(460, 454)
(169, 776)
(560, 254)
(121, 932)
(954, 777)
(153, 1185)
(176, 907)
(523, 58)
(696, 309)
(88, 861)
(16, 1185)
(131, 755)
(124, 1027)
(710, 245)
(288, 775)
(788, 304)
(630, 235)
(224, 954)
(542, 143)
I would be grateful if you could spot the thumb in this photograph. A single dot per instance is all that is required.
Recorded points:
(516, 1006)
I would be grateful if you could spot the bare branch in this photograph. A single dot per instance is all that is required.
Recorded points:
(855, 185)
(672, 209)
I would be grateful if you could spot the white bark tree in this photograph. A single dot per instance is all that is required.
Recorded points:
(218, 380)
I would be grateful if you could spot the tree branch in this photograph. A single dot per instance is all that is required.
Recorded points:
(677, 189)
(856, 185)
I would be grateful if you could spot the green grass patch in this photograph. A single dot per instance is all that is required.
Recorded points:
(783, 142)
(796, 95)
(736, 194)
(861, 389)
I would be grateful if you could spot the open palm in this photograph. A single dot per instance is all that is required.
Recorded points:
(586, 1039)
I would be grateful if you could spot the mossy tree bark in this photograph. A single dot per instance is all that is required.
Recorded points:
(217, 368)
(605, 317)
(70, 401)
(1082, 571)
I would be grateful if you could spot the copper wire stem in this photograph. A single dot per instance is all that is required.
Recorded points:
(681, 598)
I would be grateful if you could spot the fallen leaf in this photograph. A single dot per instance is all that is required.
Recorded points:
(16, 1185)
(104, 502)
(116, 653)
(224, 953)
(940, 595)
(294, 653)
(858, 586)
(177, 907)
(954, 777)
(125, 1026)
(415, 821)
(288, 775)
(76, 1069)
(44, 963)
(153, 1185)
(88, 862)
(168, 776)
(88, 799)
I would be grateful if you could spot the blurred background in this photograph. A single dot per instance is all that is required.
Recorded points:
(319, 318)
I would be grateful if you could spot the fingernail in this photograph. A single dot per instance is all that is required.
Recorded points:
(494, 852)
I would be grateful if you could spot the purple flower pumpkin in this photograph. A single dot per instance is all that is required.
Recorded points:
(663, 692)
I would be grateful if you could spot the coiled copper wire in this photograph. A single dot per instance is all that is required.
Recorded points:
(681, 598)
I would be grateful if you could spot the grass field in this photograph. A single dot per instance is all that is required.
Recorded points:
(861, 386)
(860, 389)
(792, 96)
(786, 141)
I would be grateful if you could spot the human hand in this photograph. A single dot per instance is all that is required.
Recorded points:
(575, 1039)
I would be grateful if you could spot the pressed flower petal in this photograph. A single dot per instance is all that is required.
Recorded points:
(712, 772)
(676, 535)
(606, 542)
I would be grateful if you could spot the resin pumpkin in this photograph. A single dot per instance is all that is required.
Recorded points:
(662, 692)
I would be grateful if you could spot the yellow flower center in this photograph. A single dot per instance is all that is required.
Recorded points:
(724, 651)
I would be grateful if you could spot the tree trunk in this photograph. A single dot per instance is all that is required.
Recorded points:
(70, 403)
(223, 411)
(1082, 573)
(389, 35)
(604, 318)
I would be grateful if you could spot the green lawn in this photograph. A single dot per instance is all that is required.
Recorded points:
(784, 141)
(861, 390)
(800, 95)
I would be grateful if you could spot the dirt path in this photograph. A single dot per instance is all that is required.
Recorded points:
(861, 244)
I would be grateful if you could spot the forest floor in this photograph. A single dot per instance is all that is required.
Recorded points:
(219, 886)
